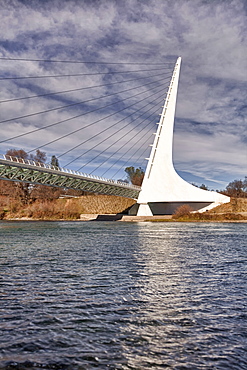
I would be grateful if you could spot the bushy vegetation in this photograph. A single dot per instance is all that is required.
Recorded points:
(51, 210)
(182, 211)
(206, 216)
(63, 209)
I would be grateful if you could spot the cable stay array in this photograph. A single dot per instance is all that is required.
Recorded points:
(122, 146)
(103, 131)
(73, 104)
(95, 116)
(83, 61)
(80, 89)
(78, 74)
(111, 135)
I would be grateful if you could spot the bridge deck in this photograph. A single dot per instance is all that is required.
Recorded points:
(18, 169)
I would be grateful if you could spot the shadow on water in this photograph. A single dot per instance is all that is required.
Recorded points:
(122, 295)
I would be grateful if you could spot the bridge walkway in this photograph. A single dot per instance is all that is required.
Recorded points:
(24, 170)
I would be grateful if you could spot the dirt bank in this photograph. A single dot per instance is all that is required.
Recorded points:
(106, 207)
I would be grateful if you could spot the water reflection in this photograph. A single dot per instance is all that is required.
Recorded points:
(121, 296)
(188, 310)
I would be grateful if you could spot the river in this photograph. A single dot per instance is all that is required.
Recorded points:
(116, 295)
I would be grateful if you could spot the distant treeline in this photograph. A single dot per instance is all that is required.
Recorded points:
(235, 188)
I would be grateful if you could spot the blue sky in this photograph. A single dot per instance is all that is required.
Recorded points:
(210, 139)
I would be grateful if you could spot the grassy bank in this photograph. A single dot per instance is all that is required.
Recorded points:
(206, 217)
(235, 210)
(235, 205)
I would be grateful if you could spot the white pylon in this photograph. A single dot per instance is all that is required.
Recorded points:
(162, 187)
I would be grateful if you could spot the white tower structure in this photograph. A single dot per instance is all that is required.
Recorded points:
(163, 190)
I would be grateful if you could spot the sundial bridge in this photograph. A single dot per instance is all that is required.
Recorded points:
(162, 190)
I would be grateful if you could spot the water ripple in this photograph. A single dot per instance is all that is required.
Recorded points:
(111, 295)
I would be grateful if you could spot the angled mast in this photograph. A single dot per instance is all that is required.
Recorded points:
(163, 190)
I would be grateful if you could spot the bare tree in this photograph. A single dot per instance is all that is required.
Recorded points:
(237, 188)
(135, 175)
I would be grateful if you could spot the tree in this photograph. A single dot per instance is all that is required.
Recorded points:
(204, 187)
(21, 191)
(20, 153)
(44, 191)
(135, 175)
(54, 162)
(7, 188)
(38, 157)
(17, 153)
(245, 185)
(236, 188)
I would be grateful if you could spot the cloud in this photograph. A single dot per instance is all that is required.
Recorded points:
(210, 36)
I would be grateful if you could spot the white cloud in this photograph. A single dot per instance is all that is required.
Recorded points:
(209, 35)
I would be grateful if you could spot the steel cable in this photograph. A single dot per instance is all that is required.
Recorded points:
(102, 130)
(89, 125)
(77, 74)
(127, 133)
(68, 119)
(81, 62)
(71, 105)
(77, 89)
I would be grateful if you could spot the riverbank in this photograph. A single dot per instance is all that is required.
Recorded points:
(235, 218)
(111, 208)
(228, 217)
(64, 208)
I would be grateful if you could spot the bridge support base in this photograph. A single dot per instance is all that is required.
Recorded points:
(140, 210)
(144, 210)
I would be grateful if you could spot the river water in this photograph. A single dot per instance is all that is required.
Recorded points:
(113, 295)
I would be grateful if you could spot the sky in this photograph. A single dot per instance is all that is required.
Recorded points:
(210, 135)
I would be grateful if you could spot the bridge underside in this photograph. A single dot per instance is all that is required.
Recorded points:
(168, 208)
(42, 174)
